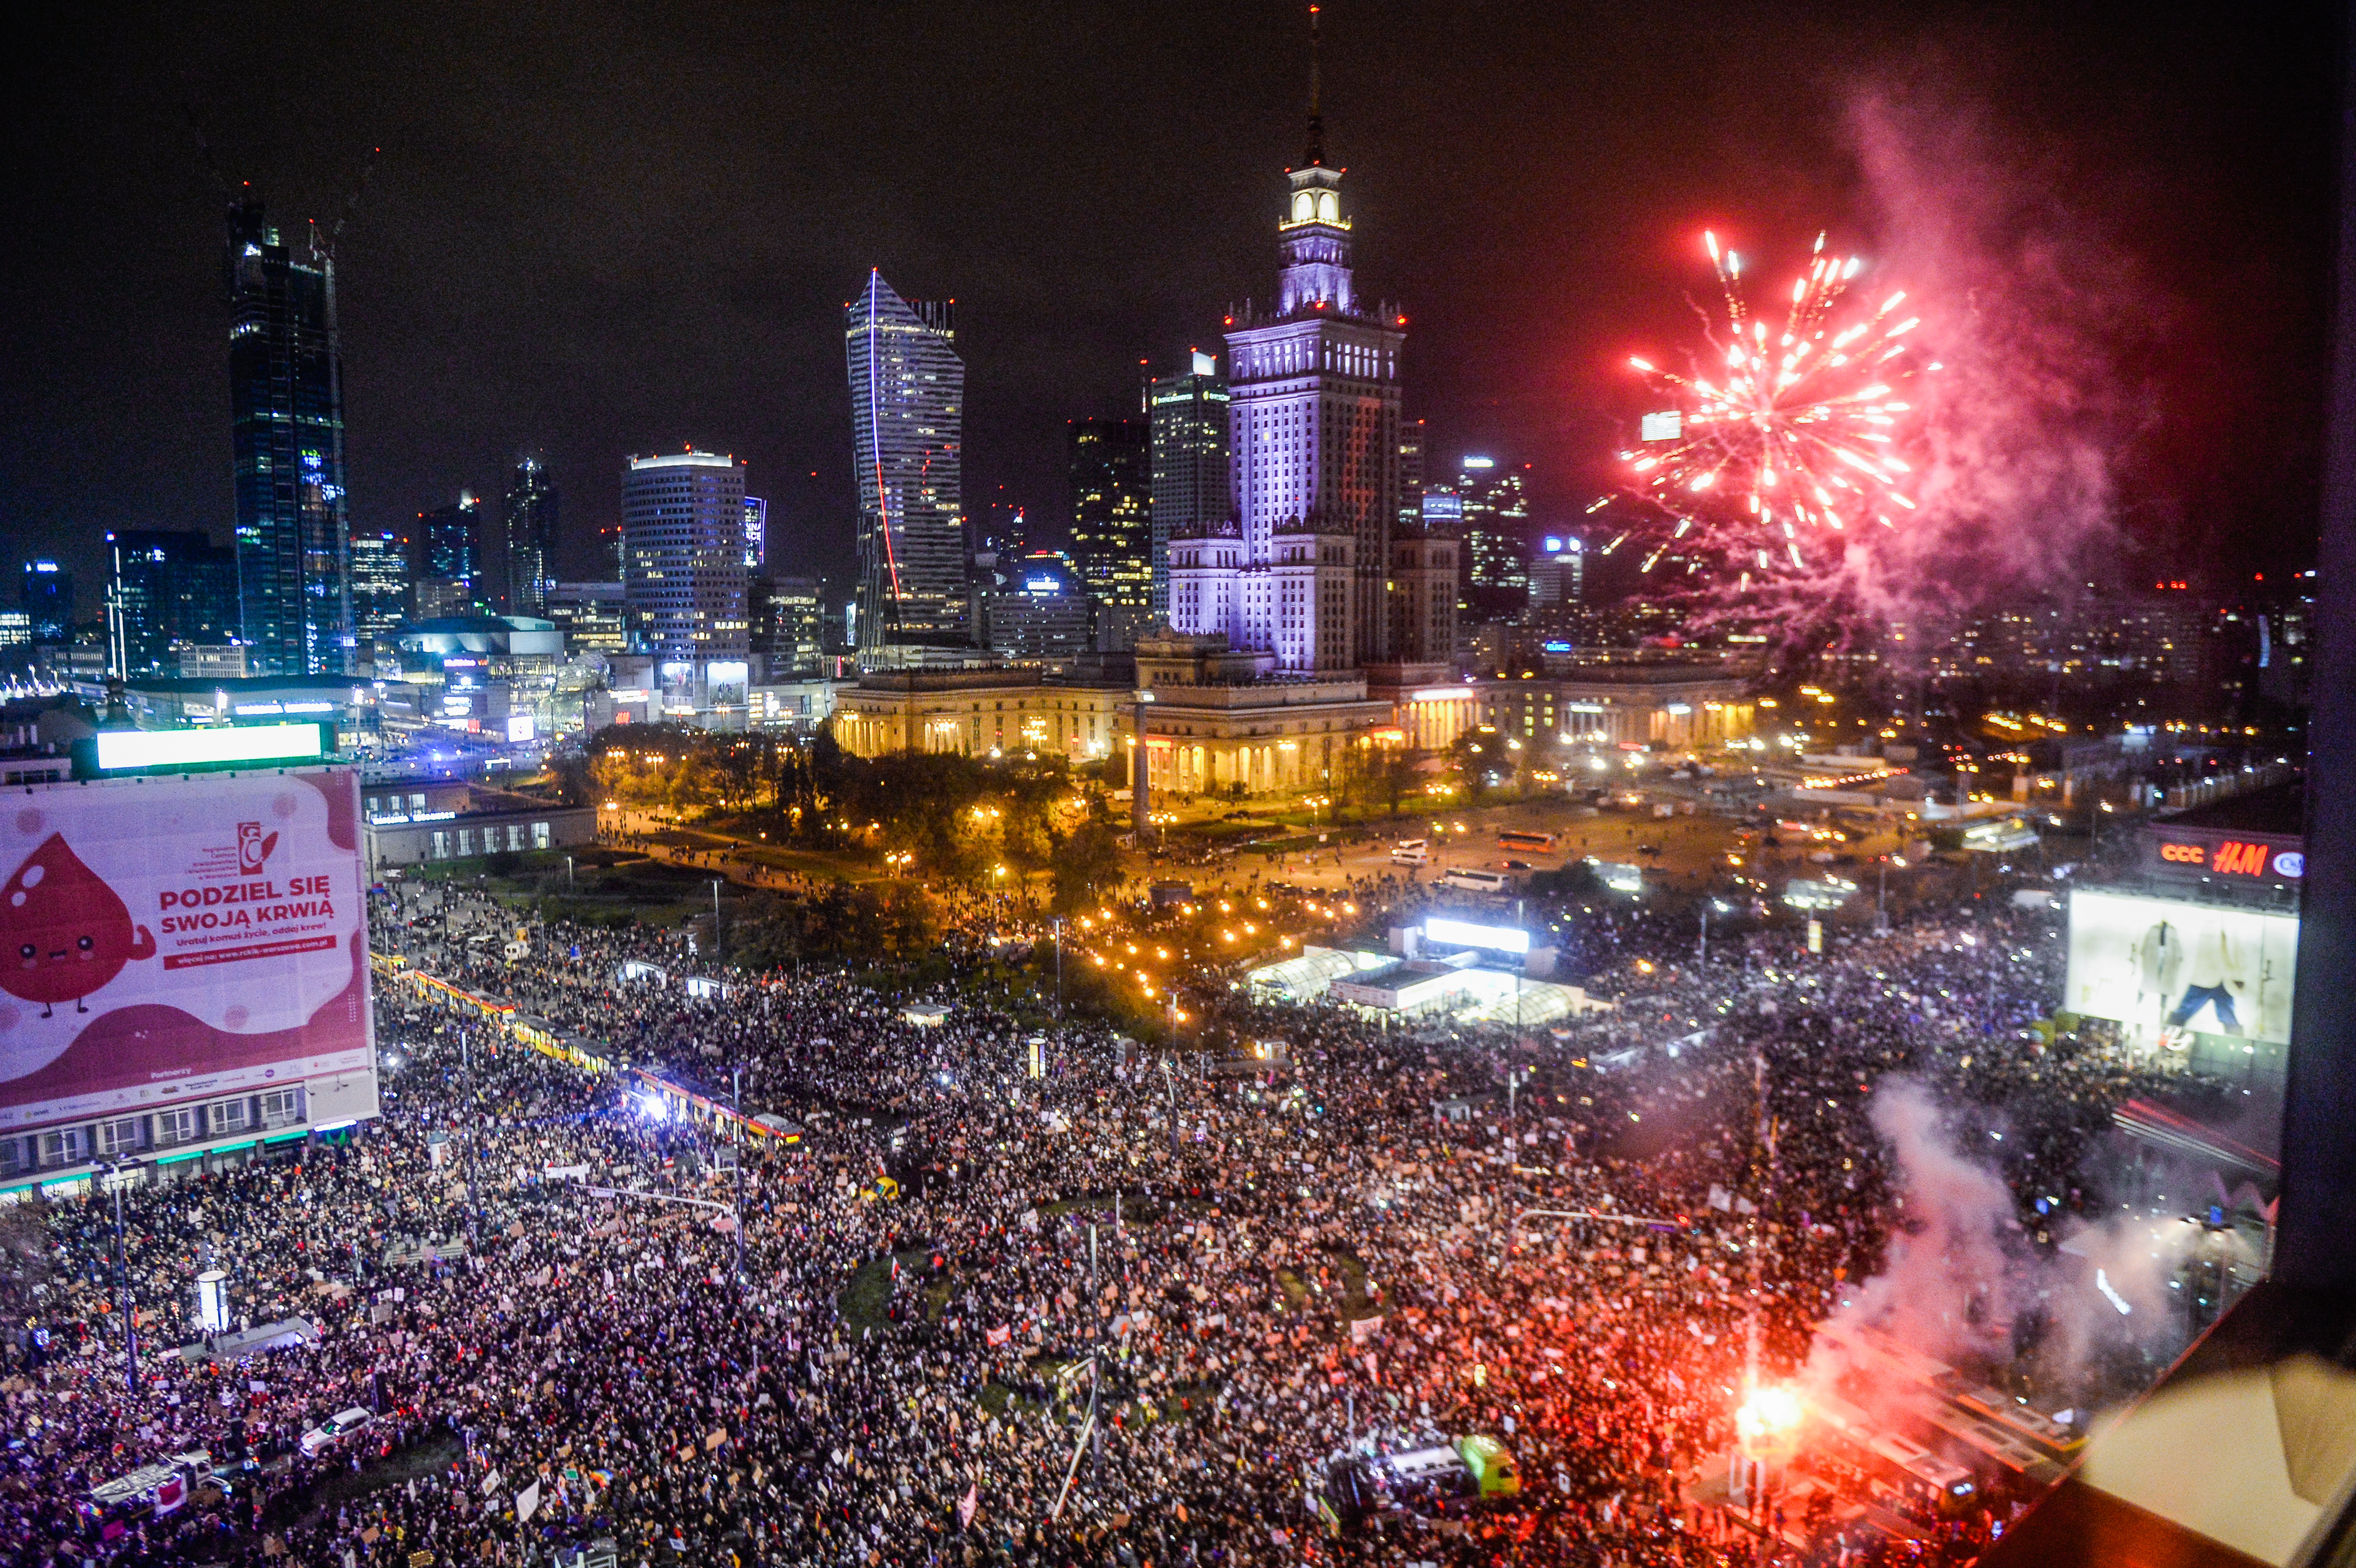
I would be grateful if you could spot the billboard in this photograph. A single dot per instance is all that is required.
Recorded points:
(1462, 933)
(164, 940)
(2197, 853)
(2163, 964)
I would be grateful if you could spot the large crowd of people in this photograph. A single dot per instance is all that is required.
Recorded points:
(1059, 1298)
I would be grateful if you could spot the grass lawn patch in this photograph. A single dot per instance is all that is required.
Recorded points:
(866, 1298)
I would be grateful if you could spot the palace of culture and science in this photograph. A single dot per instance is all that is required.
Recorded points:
(1314, 616)
(1308, 568)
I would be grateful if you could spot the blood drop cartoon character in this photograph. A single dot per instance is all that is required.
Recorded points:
(63, 932)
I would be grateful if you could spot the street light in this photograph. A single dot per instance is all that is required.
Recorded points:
(1171, 1078)
(117, 1179)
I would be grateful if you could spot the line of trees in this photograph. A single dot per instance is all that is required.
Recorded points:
(957, 820)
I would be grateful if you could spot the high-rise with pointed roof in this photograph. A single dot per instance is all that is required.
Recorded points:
(286, 403)
(1313, 435)
(908, 406)
(528, 524)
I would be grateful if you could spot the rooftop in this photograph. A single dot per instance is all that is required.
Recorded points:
(2279, 809)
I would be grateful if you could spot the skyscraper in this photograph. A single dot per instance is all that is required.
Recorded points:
(286, 403)
(1410, 473)
(907, 401)
(166, 588)
(788, 624)
(684, 553)
(45, 595)
(528, 526)
(756, 534)
(1495, 561)
(1188, 415)
(380, 586)
(1313, 433)
(1111, 472)
(449, 569)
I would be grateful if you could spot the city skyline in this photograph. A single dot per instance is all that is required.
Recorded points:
(1153, 213)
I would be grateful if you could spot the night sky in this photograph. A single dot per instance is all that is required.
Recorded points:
(601, 228)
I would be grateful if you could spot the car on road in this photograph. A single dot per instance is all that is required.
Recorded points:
(1448, 1479)
(335, 1431)
(1516, 866)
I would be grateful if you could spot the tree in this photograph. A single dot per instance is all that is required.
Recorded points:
(1087, 860)
(1395, 775)
(575, 776)
(1476, 754)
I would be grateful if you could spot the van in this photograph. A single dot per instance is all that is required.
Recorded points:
(1477, 881)
(335, 1432)
(1447, 1479)
(1411, 852)
(151, 1491)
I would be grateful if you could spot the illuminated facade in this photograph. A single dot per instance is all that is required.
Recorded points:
(1314, 444)
(907, 411)
(788, 624)
(756, 534)
(978, 713)
(1215, 722)
(381, 596)
(165, 590)
(1677, 707)
(450, 576)
(528, 519)
(1496, 531)
(683, 555)
(1188, 416)
(286, 405)
(1112, 507)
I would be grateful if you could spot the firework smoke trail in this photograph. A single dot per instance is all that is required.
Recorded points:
(2035, 315)
(2018, 417)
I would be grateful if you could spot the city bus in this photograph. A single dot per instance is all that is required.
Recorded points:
(1410, 852)
(1522, 838)
(1477, 881)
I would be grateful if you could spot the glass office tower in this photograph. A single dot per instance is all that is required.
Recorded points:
(287, 405)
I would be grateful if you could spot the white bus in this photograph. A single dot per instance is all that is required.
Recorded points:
(1410, 852)
(1477, 881)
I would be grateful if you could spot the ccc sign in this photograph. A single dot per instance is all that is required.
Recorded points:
(2235, 857)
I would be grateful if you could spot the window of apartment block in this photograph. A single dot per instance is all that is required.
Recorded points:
(184, 1125)
(230, 1116)
(118, 1138)
(282, 1107)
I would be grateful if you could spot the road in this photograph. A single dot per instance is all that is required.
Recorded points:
(1680, 852)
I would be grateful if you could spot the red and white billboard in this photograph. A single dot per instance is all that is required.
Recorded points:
(170, 939)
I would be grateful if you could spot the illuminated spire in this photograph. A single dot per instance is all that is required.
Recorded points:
(1315, 155)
